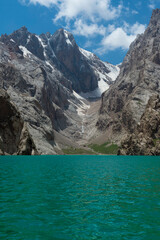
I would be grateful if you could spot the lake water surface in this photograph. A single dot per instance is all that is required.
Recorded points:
(79, 198)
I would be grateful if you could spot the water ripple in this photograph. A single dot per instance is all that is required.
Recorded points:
(79, 198)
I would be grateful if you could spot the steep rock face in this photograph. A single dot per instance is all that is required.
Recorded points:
(14, 134)
(34, 91)
(67, 52)
(124, 103)
(146, 138)
(81, 68)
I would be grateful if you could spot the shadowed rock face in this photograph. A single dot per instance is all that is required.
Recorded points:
(67, 52)
(124, 103)
(146, 138)
(14, 135)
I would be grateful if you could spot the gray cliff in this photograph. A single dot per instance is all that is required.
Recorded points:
(124, 103)
(146, 138)
(14, 135)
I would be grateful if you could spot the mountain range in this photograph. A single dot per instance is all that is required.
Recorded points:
(50, 92)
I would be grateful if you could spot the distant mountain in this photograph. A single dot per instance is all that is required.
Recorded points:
(43, 76)
(125, 102)
(83, 69)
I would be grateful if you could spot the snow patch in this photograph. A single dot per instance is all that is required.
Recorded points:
(114, 71)
(103, 76)
(28, 39)
(12, 40)
(81, 109)
(67, 38)
(82, 106)
(102, 87)
(25, 51)
(49, 65)
(53, 54)
(97, 93)
(42, 44)
(77, 95)
(86, 53)
(44, 47)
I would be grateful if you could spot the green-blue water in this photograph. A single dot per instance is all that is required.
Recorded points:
(79, 198)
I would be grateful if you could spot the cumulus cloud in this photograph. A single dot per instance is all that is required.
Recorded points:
(121, 37)
(90, 9)
(134, 12)
(137, 28)
(46, 3)
(90, 18)
(84, 29)
(117, 39)
(153, 4)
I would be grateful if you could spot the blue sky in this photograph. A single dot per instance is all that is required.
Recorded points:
(105, 27)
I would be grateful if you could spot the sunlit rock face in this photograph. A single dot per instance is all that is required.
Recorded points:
(146, 138)
(123, 105)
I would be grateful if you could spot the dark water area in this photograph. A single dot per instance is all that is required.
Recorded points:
(79, 198)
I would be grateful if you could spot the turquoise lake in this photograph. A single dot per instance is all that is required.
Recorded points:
(79, 198)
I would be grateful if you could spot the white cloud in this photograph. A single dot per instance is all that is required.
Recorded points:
(134, 12)
(93, 17)
(46, 3)
(118, 39)
(84, 29)
(90, 9)
(82, 17)
(121, 37)
(110, 28)
(137, 28)
(151, 5)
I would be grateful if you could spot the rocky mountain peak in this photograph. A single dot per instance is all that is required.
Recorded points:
(20, 36)
(22, 29)
(155, 18)
(64, 38)
(26, 40)
(83, 69)
(48, 35)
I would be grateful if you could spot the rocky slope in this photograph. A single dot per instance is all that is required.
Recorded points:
(124, 103)
(146, 138)
(14, 134)
(41, 74)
